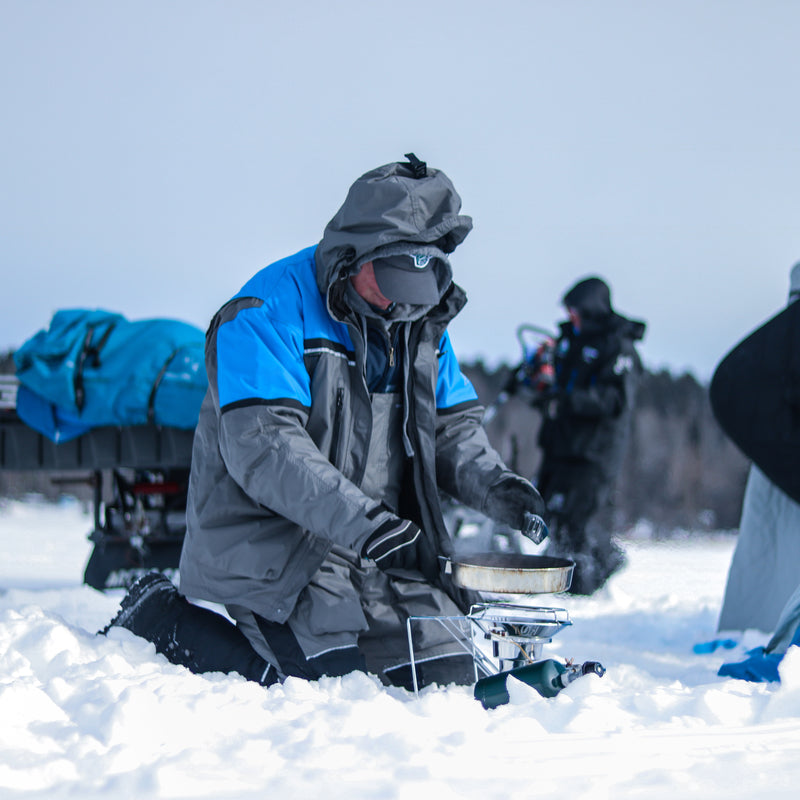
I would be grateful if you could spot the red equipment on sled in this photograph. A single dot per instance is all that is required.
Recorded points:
(535, 374)
(537, 370)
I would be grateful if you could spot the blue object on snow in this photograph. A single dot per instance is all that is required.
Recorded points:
(704, 648)
(758, 667)
(761, 664)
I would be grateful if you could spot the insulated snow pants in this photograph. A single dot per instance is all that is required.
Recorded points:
(351, 617)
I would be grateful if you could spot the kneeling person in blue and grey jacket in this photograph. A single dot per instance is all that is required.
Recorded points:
(336, 411)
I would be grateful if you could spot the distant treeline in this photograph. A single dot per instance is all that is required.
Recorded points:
(680, 470)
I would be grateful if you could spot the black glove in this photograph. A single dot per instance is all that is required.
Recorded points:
(510, 499)
(394, 546)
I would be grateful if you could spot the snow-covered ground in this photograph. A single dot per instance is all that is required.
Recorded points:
(87, 716)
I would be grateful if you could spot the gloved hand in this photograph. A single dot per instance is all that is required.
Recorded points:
(510, 499)
(394, 546)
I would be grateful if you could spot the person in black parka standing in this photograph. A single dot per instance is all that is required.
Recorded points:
(586, 420)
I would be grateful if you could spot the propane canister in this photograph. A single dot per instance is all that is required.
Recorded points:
(548, 677)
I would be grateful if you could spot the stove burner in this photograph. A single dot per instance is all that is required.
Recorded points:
(498, 636)
(517, 633)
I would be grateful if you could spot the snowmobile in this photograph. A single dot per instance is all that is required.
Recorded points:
(138, 475)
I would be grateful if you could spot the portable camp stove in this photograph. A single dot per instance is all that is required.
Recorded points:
(515, 633)
(505, 640)
(499, 636)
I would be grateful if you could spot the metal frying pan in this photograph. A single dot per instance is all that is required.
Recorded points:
(511, 573)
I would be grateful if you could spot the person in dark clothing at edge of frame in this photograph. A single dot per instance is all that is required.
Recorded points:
(584, 382)
(336, 410)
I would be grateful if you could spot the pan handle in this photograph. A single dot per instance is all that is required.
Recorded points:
(534, 528)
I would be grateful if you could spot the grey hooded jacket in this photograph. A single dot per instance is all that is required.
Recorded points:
(284, 432)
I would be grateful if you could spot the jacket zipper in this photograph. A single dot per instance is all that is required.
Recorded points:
(337, 427)
(390, 333)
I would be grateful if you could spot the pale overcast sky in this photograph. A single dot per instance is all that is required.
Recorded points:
(155, 154)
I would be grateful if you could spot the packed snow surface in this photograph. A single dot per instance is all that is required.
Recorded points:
(86, 716)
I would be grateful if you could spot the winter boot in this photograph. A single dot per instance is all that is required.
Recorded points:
(144, 606)
(188, 635)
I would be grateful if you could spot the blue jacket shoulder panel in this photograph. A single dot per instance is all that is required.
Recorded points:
(452, 386)
(260, 350)
(276, 279)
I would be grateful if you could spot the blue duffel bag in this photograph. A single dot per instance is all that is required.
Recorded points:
(94, 368)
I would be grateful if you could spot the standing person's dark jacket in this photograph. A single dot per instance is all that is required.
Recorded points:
(583, 434)
(597, 370)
